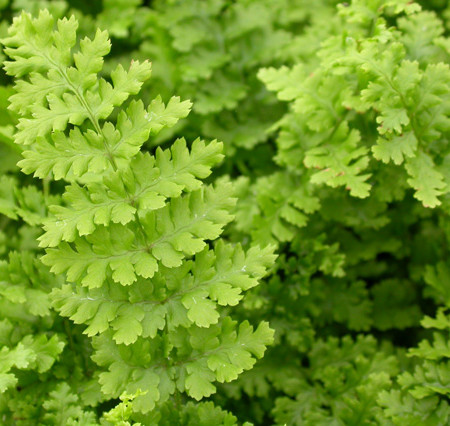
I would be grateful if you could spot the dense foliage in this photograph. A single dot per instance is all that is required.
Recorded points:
(225, 212)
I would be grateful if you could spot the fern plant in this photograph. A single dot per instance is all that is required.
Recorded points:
(343, 167)
(378, 96)
(135, 232)
(358, 206)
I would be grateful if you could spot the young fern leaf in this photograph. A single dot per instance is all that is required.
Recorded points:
(133, 236)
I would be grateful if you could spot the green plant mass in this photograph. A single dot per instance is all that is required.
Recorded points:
(224, 212)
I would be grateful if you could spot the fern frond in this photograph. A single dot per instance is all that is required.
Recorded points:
(132, 238)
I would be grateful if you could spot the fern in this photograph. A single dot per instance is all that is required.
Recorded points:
(366, 131)
(133, 235)
(336, 138)
(386, 76)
